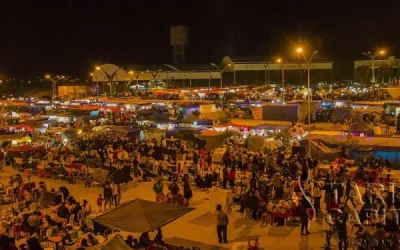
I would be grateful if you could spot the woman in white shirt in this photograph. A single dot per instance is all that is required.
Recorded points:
(327, 226)
(316, 193)
(114, 193)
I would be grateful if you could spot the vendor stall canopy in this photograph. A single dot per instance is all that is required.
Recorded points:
(139, 216)
(114, 242)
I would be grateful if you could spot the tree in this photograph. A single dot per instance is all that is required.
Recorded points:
(348, 144)
(283, 137)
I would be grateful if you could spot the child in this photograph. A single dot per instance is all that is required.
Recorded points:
(100, 202)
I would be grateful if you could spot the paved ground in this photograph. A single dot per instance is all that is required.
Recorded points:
(199, 225)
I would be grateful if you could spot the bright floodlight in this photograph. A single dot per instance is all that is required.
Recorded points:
(97, 68)
(91, 74)
(229, 65)
(131, 72)
(382, 52)
(299, 50)
(47, 76)
(279, 60)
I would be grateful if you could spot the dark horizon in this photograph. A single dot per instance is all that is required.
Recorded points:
(71, 37)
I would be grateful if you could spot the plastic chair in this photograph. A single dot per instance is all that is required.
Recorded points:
(252, 243)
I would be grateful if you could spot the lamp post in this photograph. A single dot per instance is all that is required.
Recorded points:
(372, 58)
(221, 72)
(97, 83)
(308, 61)
(282, 62)
(110, 77)
(54, 83)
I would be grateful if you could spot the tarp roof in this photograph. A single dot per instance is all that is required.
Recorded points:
(114, 242)
(10, 137)
(24, 148)
(254, 123)
(363, 143)
(140, 216)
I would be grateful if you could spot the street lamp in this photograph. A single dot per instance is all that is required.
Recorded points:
(97, 83)
(308, 61)
(110, 77)
(136, 74)
(221, 72)
(282, 62)
(54, 83)
(372, 57)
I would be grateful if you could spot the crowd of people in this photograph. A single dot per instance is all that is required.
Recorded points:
(257, 179)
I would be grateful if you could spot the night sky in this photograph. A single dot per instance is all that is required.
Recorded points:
(70, 37)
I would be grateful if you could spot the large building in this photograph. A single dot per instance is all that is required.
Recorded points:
(234, 71)
(385, 70)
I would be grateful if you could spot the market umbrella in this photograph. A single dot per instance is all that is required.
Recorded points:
(100, 176)
(139, 216)
(114, 242)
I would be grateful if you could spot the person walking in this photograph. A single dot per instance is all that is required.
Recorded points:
(222, 223)
(349, 194)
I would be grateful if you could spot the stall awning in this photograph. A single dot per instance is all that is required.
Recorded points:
(139, 216)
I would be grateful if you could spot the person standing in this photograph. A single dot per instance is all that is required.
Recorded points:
(222, 223)
(231, 178)
(34, 223)
(316, 192)
(107, 194)
(224, 177)
(327, 225)
(304, 217)
(174, 189)
(341, 228)
(114, 189)
(187, 192)
(158, 189)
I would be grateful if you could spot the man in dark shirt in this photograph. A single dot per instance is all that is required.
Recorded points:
(107, 194)
(62, 211)
(341, 228)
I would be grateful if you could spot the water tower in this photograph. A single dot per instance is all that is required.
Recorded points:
(179, 41)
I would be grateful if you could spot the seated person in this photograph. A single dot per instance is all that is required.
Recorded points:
(71, 235)
(144, 240)
(63, 211)
(92, 240)
(136, 244)
(129, 241)
(84, 228)
(84, 243)
(49, 221)
(159, 236)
